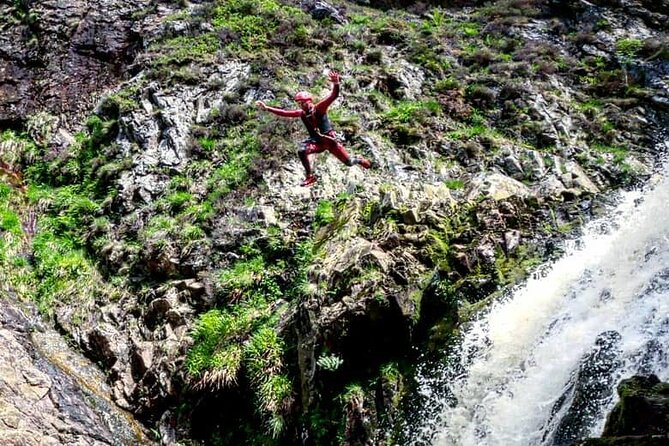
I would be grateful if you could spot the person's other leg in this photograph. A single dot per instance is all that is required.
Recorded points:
(337, 149)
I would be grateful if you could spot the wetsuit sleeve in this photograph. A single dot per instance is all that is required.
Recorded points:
(285, 113)
(323, 105)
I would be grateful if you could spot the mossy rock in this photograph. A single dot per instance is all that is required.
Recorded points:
(643, 408)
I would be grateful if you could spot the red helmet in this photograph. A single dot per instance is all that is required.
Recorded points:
(303, 96)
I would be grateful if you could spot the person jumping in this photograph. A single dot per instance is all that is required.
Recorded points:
(322, 136)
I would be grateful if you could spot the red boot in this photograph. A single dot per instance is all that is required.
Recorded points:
(363, 162)
(308, 181)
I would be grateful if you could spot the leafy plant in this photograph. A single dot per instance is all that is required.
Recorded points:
(627, 50)
(239, 149)
(329, 362)
(324, 214)
(243, 338)
(470, 29)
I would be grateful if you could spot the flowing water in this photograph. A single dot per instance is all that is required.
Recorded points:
(535, 368)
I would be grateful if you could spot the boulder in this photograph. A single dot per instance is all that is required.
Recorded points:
(640, 418)
(497, 186)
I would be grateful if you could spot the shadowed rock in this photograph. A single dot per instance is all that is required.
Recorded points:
(58, 55)
(641, 417)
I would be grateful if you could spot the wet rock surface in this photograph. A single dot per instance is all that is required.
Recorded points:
(49, 396)
(593, 382)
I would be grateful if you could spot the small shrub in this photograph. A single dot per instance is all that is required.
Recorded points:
(470, 29)
(447, 84)
(185, 49)
(628, 48)
(10, 222)
(243, 338)
(455, 184)
(324, 214)
(178, 200)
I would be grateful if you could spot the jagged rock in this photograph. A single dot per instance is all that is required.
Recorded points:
(358, 429)
(142, 358)
(356, 254)
(404, 80)
(513, 167)
(102, 340)
(643, 409)
(49, 395)
(168, 434)
(62, 55)
(511, 240)
(265, 215)
(321, 10)
(496, 186)
(592, 383)
(157, 135)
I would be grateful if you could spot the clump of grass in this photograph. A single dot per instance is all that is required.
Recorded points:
(185, 49)
(411, 111)
(455, 184)
(239, 149)
(243, 339)
(325, 214)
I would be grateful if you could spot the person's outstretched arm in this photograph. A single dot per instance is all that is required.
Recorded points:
(323, 105)
(279, 111)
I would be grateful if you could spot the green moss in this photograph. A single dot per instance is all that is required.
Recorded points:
(449, 83)
(9, 222)
(510, 269)
(199, 212)
(628, 48)
(411, 111)
(618, 153)
(469, 29)
(455, 184)
(185, 49)
(178, 200)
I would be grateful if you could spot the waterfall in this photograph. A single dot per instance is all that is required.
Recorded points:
(540, 366)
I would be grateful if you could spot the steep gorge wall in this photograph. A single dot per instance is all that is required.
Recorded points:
(221, 297)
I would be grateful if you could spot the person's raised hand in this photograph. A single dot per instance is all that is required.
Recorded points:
(261, 105)
(334, 77)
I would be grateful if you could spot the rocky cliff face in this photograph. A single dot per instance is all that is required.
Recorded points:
(156, 216)
(50, 395)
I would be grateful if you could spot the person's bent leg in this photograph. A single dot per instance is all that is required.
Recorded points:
(304, 153)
